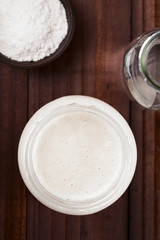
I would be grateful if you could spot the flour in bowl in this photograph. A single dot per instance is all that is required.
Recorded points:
(31, 30)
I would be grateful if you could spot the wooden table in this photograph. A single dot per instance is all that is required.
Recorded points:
(92, 65)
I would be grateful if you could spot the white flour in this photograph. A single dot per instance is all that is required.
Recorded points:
(31, 30)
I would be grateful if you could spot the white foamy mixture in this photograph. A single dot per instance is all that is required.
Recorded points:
(77, 156)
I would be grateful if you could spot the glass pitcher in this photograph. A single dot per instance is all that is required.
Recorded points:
(142, 69)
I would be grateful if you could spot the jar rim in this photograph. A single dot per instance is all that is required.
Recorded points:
(143, 56)
(119, 187)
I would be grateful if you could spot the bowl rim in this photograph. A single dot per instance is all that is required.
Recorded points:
(59, 51)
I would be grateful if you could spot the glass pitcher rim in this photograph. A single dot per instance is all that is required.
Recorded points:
(143, 55)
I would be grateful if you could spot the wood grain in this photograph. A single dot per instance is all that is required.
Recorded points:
(91, 65)
(13, 116)
(148, 176)
(43, 223)
(157, 150)
(113, 35)
(149, 147)
(144, 208)
(87, 68)
(136, 121)
(157, 13)
(157, 177)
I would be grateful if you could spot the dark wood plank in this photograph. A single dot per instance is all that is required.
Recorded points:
(148, 175)
(13, 116)
(157, 148)
(64, 77)
(80, 82)
(136, 118)
(74, 53)
(43, 223)
(81, 77)
(89, 38)
(112, 39)
(157, 176)
(157, 13)
(149, 15)
(73, 227)
(112, 223)
(149, 146)
(92, 65)
(142, 192)
(88, 67)
(82, 227)
(136, 188)
(136, 18)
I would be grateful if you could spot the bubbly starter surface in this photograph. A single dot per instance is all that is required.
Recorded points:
(77, 156)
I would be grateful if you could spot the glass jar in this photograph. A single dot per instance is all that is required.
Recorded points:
(142, 69)
(127, 159)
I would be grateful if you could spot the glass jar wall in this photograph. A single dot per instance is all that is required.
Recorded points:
(142, 69)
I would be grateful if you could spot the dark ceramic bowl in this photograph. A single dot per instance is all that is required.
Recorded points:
(63, 45)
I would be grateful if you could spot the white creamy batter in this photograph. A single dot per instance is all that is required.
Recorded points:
(77, 156)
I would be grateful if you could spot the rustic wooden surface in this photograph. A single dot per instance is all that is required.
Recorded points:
(92, 65)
